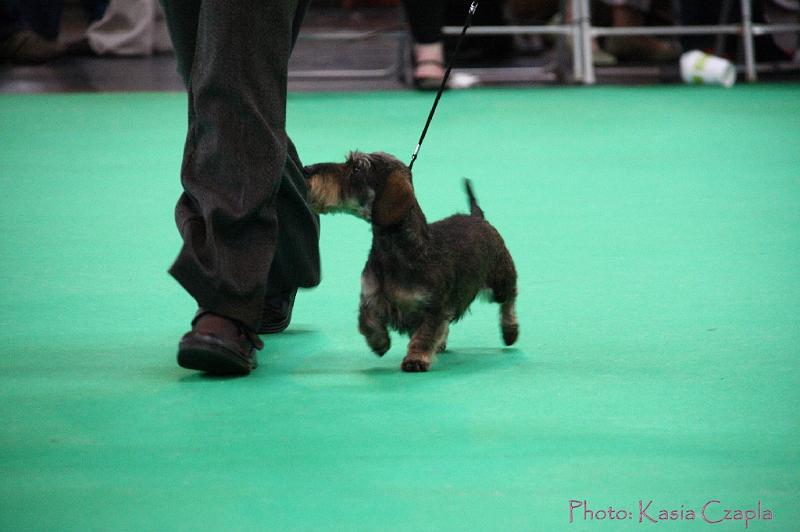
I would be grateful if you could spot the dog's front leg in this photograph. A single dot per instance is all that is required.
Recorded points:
(442, 346)
(372, 324)
(424, 342)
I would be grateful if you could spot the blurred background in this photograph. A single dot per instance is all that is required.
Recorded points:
(122, 45)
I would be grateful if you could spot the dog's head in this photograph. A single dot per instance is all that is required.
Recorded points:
(374, 186)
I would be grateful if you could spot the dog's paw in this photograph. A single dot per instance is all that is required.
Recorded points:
(442, 347)
(510, 333)
(382, 351)
(379, 346)
(415, 365)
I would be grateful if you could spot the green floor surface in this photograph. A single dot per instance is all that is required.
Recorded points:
(657, 235)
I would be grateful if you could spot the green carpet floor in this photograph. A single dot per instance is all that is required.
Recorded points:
(657, 235)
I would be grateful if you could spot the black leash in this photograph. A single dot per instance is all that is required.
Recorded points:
(472, 8)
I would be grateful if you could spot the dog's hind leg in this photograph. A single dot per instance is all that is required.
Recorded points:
(424, 342)
(508, 321)
(503, 284)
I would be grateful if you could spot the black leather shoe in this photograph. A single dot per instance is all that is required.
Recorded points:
(219, 346)
(277, 312)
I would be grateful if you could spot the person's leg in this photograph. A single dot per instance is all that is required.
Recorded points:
(626, 13)
(638, 47)
(296, 260)
(235, 64)
(95, 9)
(10, 19)
(182, 17)
(293, 265)
(705, 13)
(426, 18)
(600, 57)
(126, 29)
(18, 44)
(43, 16)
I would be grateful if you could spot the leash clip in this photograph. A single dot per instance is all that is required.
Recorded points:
(473, 7)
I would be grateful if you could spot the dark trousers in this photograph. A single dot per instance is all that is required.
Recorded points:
(10, 19)
(706, 12)
(426, 18)
(247, 230)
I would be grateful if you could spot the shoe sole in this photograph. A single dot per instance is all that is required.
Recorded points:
(274, 328)
(214, 358)
(427, 84)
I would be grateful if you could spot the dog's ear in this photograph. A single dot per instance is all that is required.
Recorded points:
(394, 201)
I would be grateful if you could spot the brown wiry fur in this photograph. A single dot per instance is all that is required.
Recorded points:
(419, 277)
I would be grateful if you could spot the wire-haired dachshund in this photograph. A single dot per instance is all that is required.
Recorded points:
(419, 277)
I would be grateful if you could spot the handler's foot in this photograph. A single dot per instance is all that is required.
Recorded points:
(277, 312)
(219, 346)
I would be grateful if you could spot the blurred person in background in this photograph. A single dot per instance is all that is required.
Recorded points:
(784, 12)
(778, 46)
(617, 13)
(29, 29)
(128, 28)
(426, 19)
(44, 16)
(20, 44)
(627, 13)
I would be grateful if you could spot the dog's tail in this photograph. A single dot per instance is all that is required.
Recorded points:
(474, 210)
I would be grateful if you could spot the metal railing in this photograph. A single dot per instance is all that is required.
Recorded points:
(580, 31)
(746, 29)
